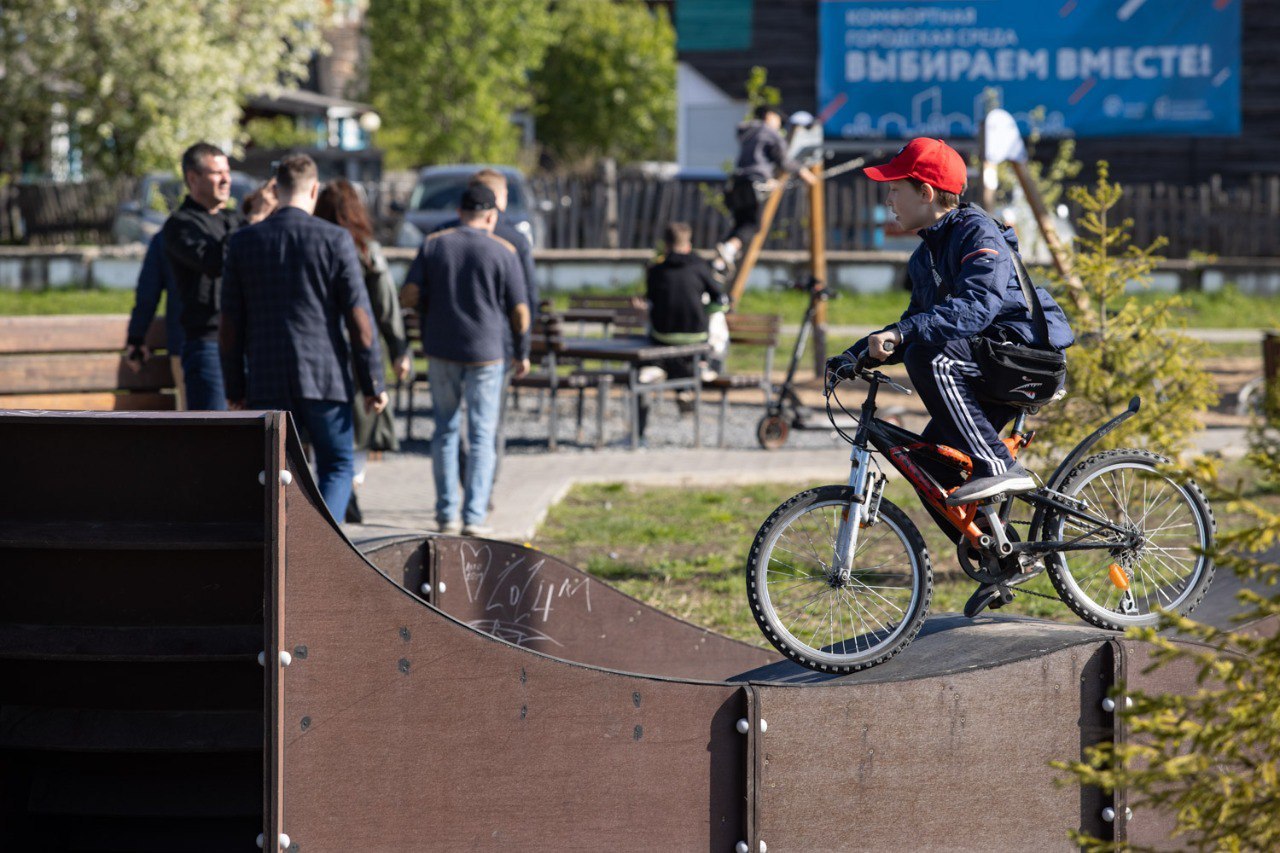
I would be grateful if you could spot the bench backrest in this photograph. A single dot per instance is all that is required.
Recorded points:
(74, 362)
(762, 330)
(627, 320)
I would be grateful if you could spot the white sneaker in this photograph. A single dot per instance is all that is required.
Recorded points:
(453, 527)
(651, 373)
(476, 530)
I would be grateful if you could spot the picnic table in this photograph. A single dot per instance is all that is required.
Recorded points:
(635, 352)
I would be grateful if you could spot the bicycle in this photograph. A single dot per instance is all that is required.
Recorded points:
(839, 578)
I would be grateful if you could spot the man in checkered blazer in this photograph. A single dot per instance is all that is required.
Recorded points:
(290, 285)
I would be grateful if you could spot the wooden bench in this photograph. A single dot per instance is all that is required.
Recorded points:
(622, 318)
(546, 345)
(75, 362)
(747, 330)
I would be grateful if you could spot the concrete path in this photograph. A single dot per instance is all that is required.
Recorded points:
(399, 492)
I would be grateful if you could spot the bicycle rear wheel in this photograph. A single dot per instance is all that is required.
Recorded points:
(813, 616)
(1168, 568)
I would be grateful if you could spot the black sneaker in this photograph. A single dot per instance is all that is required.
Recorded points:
(354, 515)
(1014, 481)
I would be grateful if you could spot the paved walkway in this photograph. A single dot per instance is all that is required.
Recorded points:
(399, 493)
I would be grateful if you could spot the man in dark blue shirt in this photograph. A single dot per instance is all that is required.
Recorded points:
(468, 287)
(290, 284)
(496, 181)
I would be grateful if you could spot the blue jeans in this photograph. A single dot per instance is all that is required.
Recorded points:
(202, 377)
(327, 425)
(481, 387)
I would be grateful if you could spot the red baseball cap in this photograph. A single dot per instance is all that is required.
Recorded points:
(930, 160)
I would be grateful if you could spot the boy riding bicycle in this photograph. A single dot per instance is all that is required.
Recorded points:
(963, 284)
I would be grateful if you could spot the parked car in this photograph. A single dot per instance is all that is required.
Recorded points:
(158, 194)
(435, 198)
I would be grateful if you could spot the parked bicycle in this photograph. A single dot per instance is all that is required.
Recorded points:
(839, 578)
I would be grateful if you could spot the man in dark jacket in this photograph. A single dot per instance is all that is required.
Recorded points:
(762, 153)
(291, 283)
(963, 283)
(682, 292)
(195, 239)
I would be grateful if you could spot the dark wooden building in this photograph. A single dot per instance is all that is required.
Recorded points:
(723, 39)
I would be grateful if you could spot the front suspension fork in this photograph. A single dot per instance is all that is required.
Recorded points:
(854, 514)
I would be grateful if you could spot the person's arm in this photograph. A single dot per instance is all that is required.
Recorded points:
(388, 314)
(191, 247)
(146, 299)
(386, 304)
(977, 292)
(517, 312)
(231, 332)
(353, 297)
(414, 288)
(525, 248)
(776, 150)
(716, 299)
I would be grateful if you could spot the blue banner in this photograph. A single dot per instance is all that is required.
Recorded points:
(896, 69)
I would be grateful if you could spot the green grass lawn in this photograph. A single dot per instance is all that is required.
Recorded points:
(66, 300)
(1225, 309)
(1228, 308)
(683, 550)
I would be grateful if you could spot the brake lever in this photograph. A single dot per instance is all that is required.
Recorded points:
(895, 386)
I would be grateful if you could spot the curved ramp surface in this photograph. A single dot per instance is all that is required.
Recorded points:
(136, 585)
(536, 601)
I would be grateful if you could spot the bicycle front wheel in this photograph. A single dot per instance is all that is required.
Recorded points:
(1157, 558)
(816, 616)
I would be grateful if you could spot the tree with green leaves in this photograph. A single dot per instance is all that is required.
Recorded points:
(1211, 759)
(449, 76)
(137, 81)
(607, 87)
(1125, 347)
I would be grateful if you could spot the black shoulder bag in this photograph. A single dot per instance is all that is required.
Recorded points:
(1017, 374)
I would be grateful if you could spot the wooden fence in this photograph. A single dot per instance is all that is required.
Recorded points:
(578, 218)
(1242, 221)
(47, 213)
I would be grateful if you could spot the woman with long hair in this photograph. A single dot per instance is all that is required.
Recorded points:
(340, 203)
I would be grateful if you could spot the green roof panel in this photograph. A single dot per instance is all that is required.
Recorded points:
(708, 25)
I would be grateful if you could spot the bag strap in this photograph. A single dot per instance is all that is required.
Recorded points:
(1038, 322)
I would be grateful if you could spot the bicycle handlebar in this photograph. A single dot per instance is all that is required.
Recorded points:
(862, 369)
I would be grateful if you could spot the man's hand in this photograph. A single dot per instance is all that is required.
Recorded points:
(235, 405)
(882, 344)
(519, 367)
(409, 295)
(403, 366)
(841, 365)
(375, 405)
(135, 355)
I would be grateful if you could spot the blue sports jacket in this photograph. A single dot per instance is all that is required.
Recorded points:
(963, 283)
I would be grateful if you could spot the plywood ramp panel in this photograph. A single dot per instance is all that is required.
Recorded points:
(538, 602)
(958, 763)
(406, 730)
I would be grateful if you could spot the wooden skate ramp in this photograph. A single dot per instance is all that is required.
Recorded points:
(538, 602)
(145, 563)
